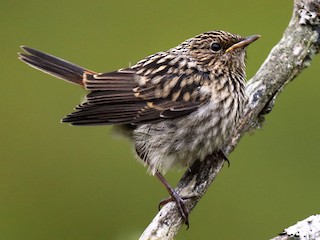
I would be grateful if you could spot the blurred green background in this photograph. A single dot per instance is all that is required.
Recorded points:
(67, 183)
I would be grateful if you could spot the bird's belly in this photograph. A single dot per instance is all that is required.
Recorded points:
(179, 142)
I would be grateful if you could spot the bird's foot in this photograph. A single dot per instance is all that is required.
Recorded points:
(175, 197)
(180, 202)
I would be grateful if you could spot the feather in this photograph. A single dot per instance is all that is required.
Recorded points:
(155, 89)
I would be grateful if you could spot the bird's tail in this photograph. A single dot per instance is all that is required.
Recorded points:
(54, 66)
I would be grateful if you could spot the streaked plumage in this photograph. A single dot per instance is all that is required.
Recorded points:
(179, 105)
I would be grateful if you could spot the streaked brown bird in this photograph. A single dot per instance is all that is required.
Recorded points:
(177, 106)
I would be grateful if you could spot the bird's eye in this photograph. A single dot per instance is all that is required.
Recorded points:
(215, 47)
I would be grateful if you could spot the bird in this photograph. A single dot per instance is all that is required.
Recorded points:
(177, 106)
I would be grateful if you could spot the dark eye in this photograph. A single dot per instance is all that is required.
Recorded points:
(215, 47)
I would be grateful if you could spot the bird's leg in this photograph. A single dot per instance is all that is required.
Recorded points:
(174, 197)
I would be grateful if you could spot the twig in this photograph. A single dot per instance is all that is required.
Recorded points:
(294, 52)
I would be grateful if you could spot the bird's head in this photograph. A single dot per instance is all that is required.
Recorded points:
(214, 49)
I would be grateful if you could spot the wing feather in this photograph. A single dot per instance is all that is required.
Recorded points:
(151, 91)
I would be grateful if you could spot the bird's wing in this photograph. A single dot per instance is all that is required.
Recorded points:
(150, 91)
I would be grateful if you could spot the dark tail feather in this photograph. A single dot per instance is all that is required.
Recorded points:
(52, 65)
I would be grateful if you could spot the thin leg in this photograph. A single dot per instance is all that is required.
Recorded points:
(174, 197)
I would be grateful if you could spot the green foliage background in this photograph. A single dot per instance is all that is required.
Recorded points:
(67, 183)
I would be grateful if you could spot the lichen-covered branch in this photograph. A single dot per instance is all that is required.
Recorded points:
(293, 53)
(307, 229)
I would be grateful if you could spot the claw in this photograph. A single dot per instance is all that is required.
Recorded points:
(180, 201)
(184, 212)
(224, 156)
(171, 199)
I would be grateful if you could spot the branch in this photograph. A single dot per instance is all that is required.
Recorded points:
(286, 60)
(307, 229)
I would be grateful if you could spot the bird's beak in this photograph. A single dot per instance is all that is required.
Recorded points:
(245, 42)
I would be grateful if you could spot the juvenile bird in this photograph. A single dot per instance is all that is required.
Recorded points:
(178, 106)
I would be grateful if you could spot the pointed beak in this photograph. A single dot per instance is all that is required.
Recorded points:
(245, 42)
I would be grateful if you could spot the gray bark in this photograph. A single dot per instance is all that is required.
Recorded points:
(293, 53)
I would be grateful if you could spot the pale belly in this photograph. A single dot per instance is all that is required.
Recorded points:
(178, 143)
